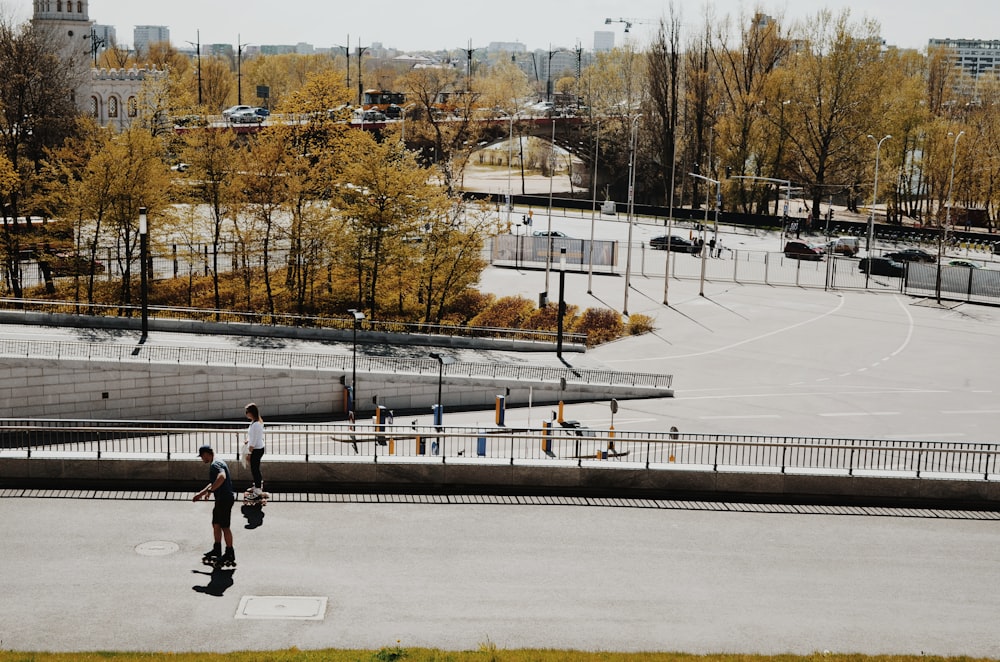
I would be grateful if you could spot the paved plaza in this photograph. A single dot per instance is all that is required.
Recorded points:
(96, 571)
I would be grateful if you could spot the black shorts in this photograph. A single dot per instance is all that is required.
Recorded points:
(222, 513)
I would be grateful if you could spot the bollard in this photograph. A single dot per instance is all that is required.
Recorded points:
(421, 445)
(501, 410)
(546, 442)
(481, 446)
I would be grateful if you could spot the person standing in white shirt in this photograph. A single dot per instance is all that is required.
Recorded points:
(255, 444)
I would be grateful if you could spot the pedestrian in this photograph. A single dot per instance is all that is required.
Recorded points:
(711, 247)
(255, 445)
(221, 485)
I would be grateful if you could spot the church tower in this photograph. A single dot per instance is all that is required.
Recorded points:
(67, 21)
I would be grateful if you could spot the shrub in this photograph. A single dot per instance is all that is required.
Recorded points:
(600, 324)
(506, 312)
(640, 324)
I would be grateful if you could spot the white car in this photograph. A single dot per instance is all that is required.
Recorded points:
(232, 110)
(246, 117)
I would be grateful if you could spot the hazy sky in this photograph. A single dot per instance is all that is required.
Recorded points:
(415, 25)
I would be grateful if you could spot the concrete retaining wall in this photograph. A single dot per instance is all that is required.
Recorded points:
(464, 475)
(88, 389)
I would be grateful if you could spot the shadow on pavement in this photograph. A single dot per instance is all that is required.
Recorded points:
(220, 580)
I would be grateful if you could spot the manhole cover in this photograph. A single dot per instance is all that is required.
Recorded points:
(282, 607)
(156, 548)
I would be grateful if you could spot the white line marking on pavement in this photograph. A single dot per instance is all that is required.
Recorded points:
(970, 411)
(861, 413)
(735, 416)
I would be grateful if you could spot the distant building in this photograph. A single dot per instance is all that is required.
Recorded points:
(506, 47)
(604, 41)
(973, 56)
(144, 35)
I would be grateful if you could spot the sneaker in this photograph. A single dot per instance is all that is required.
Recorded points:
(256, 492)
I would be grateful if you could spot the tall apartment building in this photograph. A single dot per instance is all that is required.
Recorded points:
(144, 35)
(973, 56)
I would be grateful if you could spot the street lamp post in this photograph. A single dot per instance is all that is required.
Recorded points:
(788, 195)
(358, 316)
(947, 217)
(718, 203)
(239, 70)
(593, 212)
(670, 223)
(871, 219)
(438, 408)
(361, 52)
(562, 302)
(197, 46)
(548, 239)
(631, 208)
(144, 278)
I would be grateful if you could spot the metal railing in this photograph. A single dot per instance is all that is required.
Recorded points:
(59, 349)
(287, 320)
(554, 446)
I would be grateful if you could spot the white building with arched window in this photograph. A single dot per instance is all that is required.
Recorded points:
(110, 96)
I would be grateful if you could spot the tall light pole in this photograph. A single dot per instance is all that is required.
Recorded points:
(670, 224)
(718, 203)
(510, 156)
(239, 70)
(548, 239)
(947, 217)
(871, 219)
(593, 212)
(631, 209)
(347, 56)
(361, 52)
(144, 278)
(358, 316)
(562, 302)
(197, 46)
(788, 195)
(548, 73)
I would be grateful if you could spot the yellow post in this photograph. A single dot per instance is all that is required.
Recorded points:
(546, 442)
(560, 418)
(392, 446)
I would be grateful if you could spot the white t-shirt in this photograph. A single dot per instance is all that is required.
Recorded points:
(255, 435)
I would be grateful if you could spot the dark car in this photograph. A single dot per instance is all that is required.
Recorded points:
(69, 264)
(802, 250)
(263, 112)
(881, 266)
(911, 255)
(554, 233)
(679, 244)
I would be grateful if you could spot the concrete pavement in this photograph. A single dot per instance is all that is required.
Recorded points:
(103, 571)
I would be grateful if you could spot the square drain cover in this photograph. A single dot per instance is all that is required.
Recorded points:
(282, 607)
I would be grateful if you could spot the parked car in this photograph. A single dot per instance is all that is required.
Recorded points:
(848, 246)
(911, 255)
(554, 233)
(803, 250)
(263, 112)
(232, 110)
(246, 117)
(881, 266)
(968, 264)
(69, 264)
(677, 244)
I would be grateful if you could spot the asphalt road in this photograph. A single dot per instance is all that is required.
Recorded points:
(112, 574)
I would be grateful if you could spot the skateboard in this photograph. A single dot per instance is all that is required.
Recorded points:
(218, 562)
(261, 500)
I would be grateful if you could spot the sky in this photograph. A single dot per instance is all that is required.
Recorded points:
(410, 25)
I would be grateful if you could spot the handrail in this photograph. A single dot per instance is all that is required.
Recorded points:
(61, 349)
(554, 446)
(285, 319)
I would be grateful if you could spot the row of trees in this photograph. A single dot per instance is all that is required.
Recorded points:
(745, 97)
(749, 96)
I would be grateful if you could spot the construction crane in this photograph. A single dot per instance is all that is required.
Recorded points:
(629, 22)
